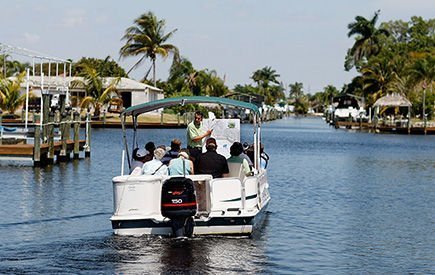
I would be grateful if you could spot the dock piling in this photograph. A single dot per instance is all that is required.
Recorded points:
(88, 136)
(63, 129)
(37, 147)
(1, 130)
(50, 137)
(104, 118)
(76, 134)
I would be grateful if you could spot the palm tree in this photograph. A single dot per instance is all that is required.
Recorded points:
(264, 77)
(10, 97)
(182, 76)
(148, 40)
(296, 90)
(330, 91)
(11, 67)
(367, 41)
(211, 84)
(96, 94)
(300, 101)
(378, 79)
(422, 73)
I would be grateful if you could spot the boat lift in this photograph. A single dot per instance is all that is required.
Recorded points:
(45, 146)
(6, 50)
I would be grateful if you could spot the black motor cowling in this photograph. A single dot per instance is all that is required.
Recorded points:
(179, 204)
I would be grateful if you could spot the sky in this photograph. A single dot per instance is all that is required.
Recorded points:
(302, 40)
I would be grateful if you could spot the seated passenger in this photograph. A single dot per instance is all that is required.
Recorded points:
(211, 162)
(155, 166)
(264, 157)
(181, 165)
(150, 147)
(138, 160)
(173, 152)
(245, 156)
(235, 150)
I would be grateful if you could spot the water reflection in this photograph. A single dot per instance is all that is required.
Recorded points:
(197, 255)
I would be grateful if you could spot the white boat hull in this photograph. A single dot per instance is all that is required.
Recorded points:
(227, 206)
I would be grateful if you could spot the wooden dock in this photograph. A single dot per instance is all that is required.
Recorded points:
(43, 148)
(413, 130)
(107, 124)
(27, 152)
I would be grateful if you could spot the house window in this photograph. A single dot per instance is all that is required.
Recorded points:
(153, 96)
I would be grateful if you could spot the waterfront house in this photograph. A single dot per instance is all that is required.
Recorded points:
(131, 91)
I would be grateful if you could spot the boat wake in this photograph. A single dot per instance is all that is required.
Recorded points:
(5, 225)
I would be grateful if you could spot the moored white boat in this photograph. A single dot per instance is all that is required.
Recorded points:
(233, 205)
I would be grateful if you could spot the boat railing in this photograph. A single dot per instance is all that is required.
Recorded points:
(229, 194)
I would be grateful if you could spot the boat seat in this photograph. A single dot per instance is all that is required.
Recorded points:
(226, 194)
(236, 171)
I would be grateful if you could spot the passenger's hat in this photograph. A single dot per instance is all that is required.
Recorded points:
(210, 142)
(141, 153)
(159, 153)
(184, 155)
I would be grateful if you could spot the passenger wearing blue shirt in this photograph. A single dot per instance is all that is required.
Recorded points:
(181, 165)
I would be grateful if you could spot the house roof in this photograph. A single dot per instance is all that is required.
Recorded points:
(393, 100)
(125, 84)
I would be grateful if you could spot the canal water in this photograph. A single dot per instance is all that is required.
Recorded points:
(342, 202)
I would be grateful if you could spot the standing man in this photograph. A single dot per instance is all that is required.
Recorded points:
(195, 134)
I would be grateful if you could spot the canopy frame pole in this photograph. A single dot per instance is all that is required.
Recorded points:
(124, 136)
(41, 112)
(256, 166)
(27, 98)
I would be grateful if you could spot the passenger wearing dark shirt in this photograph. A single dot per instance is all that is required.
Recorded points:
(173, 153)
(211, 162)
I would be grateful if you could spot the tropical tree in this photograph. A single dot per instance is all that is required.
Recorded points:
(316, 101)
(183, 75)
(276, 94)
(329, 92)
(378, 79)
(400, 62)
(422, 75)
(296, 90)
(147, 39)
(297, 98)
(211, 84)
(245, 89)
(367, 41)
(10, 96)
(422, 71)
(11, 67)
(267, 82)
(97, 93)
(105, 67)
(264, 77)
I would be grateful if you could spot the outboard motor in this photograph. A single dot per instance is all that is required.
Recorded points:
(179, 205)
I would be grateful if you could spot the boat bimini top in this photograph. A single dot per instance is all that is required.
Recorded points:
(173, 101)
(139, 109)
